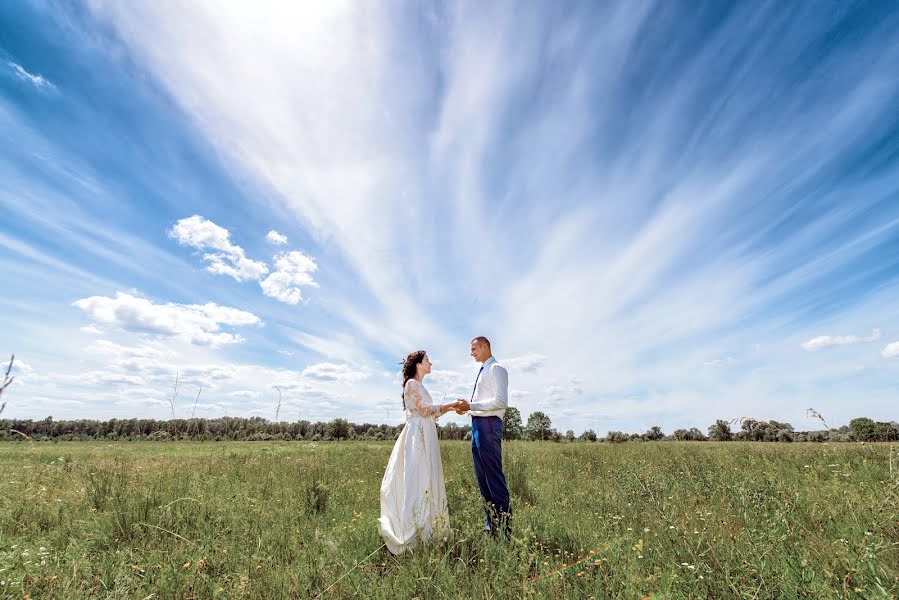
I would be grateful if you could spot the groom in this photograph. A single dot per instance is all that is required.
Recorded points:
(487, 406)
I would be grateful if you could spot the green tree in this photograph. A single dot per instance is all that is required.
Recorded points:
(720, 431)
(539, 426)
(696, 435)
(338, 429)
(512, 427)
(866, 430)
(863, 429)
(654, 434)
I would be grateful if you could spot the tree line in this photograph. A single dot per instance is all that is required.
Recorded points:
(537, 428)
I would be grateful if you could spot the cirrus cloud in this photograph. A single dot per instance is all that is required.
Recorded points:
(829, 341)
(39, 81)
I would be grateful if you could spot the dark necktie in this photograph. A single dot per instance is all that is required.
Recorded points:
(474, 389)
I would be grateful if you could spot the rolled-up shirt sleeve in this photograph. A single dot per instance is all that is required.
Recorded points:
(500, 398)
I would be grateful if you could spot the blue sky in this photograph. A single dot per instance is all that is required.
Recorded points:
(660, 213)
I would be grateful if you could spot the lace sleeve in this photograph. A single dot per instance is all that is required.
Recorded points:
(413, 390)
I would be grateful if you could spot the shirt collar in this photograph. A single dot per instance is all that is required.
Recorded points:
(487, 362)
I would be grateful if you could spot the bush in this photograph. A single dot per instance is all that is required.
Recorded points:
(817, 436)
(617, 437)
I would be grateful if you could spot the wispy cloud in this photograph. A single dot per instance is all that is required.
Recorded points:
(39, 81)
(568, 183)
(528, 363)
(829, 341)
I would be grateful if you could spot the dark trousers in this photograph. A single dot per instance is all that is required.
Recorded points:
(486, 449)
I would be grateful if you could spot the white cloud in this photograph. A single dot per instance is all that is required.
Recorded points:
(108, 378)
(563, 392)
(227, 258)
(891, 350)
(197, 324)
(327, 139)
(273, 237)
(829, 341)
(342, 373)
(663, 245)
(529, 363)
(38, 81)
(292, 271)
(720, 362)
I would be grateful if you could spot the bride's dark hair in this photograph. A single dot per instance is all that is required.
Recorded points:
(409, 366)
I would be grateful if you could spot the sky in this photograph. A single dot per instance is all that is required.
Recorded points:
(660, 213)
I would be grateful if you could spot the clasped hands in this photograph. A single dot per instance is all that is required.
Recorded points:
(461, 406)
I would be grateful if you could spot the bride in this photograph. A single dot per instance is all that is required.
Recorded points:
(413, 494)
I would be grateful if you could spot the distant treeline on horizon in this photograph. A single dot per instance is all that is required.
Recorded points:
(538, 428)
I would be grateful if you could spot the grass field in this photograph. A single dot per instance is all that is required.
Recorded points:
(261, 520)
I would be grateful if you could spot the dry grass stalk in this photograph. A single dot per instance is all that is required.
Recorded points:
(7, 380)
(24, 435)
(194, 411)
(814, 414)
(174, 395)
(277, 410)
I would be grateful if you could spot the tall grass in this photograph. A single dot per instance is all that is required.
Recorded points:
(240, 520)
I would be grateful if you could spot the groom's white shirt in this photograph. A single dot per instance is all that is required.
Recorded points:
(491, 394)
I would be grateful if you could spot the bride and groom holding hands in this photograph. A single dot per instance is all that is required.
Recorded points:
(413, 492)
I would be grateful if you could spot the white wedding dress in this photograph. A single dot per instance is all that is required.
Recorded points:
(413, 493)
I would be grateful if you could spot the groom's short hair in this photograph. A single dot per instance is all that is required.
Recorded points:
(481, 340)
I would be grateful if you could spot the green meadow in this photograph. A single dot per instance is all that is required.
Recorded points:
(298, 519)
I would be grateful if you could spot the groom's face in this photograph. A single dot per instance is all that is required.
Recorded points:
(479, 351)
